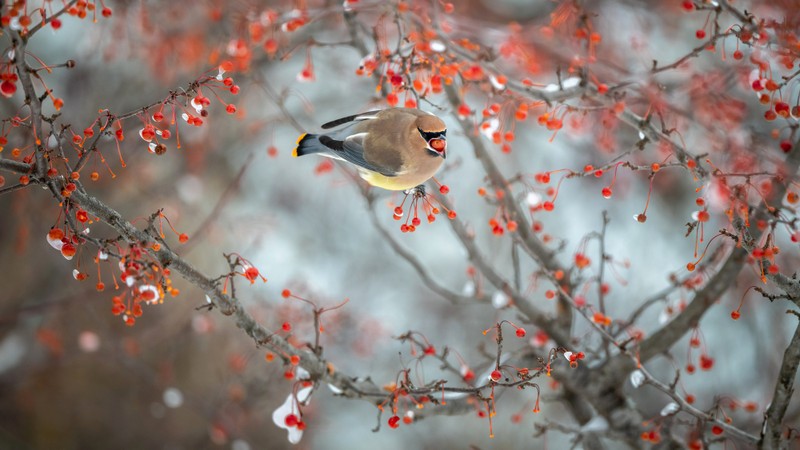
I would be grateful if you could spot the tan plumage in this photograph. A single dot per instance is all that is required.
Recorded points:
(395, 149)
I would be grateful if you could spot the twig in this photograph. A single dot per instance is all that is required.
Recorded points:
(13, 188)
(422, 271)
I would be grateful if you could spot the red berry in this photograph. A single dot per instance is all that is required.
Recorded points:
(291, 420)
(771, 85)
(394, 421)
(251, 273)
(606, 192)
(7, 88)
(271, 46)
(55, 234)
(520, 332)
(700, 34)
(706, 362)
(68, 250)
(496, 375)
(543, 178)
(468, 375)
(444, 189)
(148, 132)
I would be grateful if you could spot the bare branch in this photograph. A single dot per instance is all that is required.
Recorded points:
(664, 338)
(784, 390)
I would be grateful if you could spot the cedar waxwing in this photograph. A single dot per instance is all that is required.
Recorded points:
(395, 148)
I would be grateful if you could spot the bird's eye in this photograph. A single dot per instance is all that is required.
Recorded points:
(437, 144)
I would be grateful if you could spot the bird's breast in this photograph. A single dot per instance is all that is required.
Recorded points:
(411, 176)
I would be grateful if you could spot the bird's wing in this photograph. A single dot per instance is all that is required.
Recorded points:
(353, 151)
(353, 118)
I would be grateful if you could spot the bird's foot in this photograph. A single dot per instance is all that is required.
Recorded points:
(416, 192)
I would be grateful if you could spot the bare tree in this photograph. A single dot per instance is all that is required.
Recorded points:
(568, 118)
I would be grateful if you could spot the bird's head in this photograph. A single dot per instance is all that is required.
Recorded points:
(434, 133)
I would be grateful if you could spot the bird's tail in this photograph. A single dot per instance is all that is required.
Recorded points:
(308, 144)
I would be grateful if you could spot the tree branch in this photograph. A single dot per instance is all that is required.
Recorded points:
(15, 166)
(404, 253)
(719, 283)
(784, 390)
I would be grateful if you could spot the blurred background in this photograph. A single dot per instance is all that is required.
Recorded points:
(73, 376)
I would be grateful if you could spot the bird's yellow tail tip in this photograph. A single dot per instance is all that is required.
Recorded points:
(294, 152)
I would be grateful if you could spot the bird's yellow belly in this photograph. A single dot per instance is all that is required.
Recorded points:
(398, 183)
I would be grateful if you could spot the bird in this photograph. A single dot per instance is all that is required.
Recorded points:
(396, 149)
